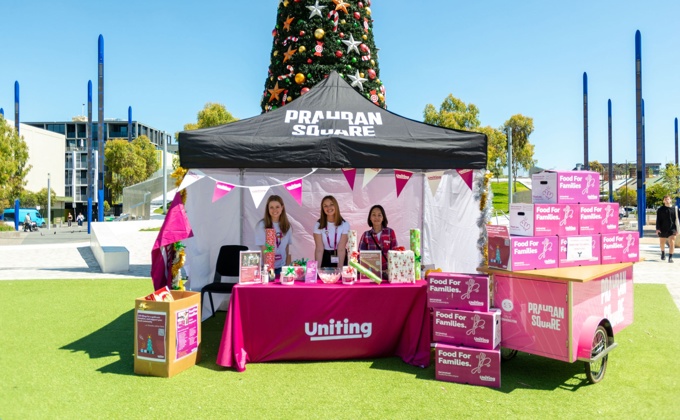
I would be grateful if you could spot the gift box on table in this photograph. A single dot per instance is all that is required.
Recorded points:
(466, 365)
(620, 247)
(458, 291)
(401, 267)
(543, 219)
(518, 253)
(565, 187)
(167, 334)
(481, 330)
(270, 247)
(598, 218)
(579, 251)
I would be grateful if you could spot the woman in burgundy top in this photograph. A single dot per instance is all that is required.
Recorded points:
(379, 237)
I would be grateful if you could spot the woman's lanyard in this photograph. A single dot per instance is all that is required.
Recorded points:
(278, 239)
(328, 239)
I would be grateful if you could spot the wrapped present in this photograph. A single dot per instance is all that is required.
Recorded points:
(401, 267)
(415, 247)
(349, 275)
(352, 242)
(288, 274)
(269, 247)
(365, 271)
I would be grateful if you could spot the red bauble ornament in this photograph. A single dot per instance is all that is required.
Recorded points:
(304, 90)
(338, 54)
(302, 33)
(371, 74)
(341, 34)
(309, 61)
(364, 48)
(361, 5)
(357, 15)
(274, 32)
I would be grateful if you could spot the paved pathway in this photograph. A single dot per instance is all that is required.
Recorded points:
(64, 253)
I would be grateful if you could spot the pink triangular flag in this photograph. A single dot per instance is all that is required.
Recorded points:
(221, 189)
(466, 174)
(401, 177)
(295, 189)
(350, 174)
(369, 174)
(258, 193)
(190, 177)
(433, 179)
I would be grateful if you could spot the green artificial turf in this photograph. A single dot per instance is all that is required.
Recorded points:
(500, 194)
(66, 351)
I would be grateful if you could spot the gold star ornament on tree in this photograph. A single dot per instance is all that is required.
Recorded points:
(275, 92)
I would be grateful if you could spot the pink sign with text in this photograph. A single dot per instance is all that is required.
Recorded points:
(518, 253)
(620, 247)
(458, 291)
(480, 330)
(467, 366)
(598, 218)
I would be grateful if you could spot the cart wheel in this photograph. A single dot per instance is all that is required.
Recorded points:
(595, 370)
(508, 354)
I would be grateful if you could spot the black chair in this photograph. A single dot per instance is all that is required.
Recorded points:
(227, 265)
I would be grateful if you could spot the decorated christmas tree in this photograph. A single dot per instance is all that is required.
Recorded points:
(313, 38)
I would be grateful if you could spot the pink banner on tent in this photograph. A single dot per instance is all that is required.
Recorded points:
(401, 177)
(295, 189)
(325, 322)
(221, 189)
(466, 174)
(350, 175)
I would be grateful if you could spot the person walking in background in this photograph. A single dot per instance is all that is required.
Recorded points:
(70, 219)
(666, 227)
(80, 219)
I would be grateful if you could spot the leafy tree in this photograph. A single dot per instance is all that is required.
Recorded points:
(125, 167)
(655, 194)
(453, 113)
(626, 196)
(497, 158)
(147, 151)
(13, 164)
(670, 177)
(522, 149)
(310, 41)
(212, 114)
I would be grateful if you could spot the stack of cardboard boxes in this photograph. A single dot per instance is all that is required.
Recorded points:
(466, 331)
(564, 226)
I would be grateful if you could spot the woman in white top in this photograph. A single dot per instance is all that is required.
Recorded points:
(275, 218)
(330, 235)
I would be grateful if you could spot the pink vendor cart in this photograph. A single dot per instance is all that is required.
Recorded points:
(567, 314)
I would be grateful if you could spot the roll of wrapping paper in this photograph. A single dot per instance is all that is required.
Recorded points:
(415, 247)
(365, 271)
(352, 242)
(270, 247)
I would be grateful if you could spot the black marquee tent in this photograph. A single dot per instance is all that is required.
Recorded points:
(331, 126)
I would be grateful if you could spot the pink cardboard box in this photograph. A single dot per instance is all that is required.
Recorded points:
(565, 187)
(598, 218)
(543, 219)
(467, 365)
(458, 291)
(518, 253)
(481, 330)
(620, 247)
(579, 250)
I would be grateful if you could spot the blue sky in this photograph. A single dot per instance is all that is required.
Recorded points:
(166, 59)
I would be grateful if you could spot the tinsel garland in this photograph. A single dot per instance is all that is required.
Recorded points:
(178, 247)
(485, 196)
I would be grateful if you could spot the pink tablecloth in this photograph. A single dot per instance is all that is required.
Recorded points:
(324, 322)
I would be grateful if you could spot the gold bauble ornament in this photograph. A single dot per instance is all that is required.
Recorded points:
(361, 75)
(275, 53)
(300, 78)
(368, 10)
(373, 62)
(319, 33)
(343, 21)
(302, 49)
(381, 97)
(364, 37)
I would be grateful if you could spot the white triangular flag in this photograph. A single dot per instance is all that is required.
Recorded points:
(192, 176)
(369, 174)
(258, 194)
(434, 178)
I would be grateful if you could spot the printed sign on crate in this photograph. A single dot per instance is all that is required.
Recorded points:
(458, 291)
(467, 365)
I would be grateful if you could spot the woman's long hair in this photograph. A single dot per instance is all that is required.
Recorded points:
(284, 224)
(323, 222)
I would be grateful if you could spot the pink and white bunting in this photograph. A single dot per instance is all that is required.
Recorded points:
(466, 174)
(401, 177)
(295, 189)
(191, 176)
(350, 175)
(433, 179)
(369, 174)
(221, 189)
(258, 193)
